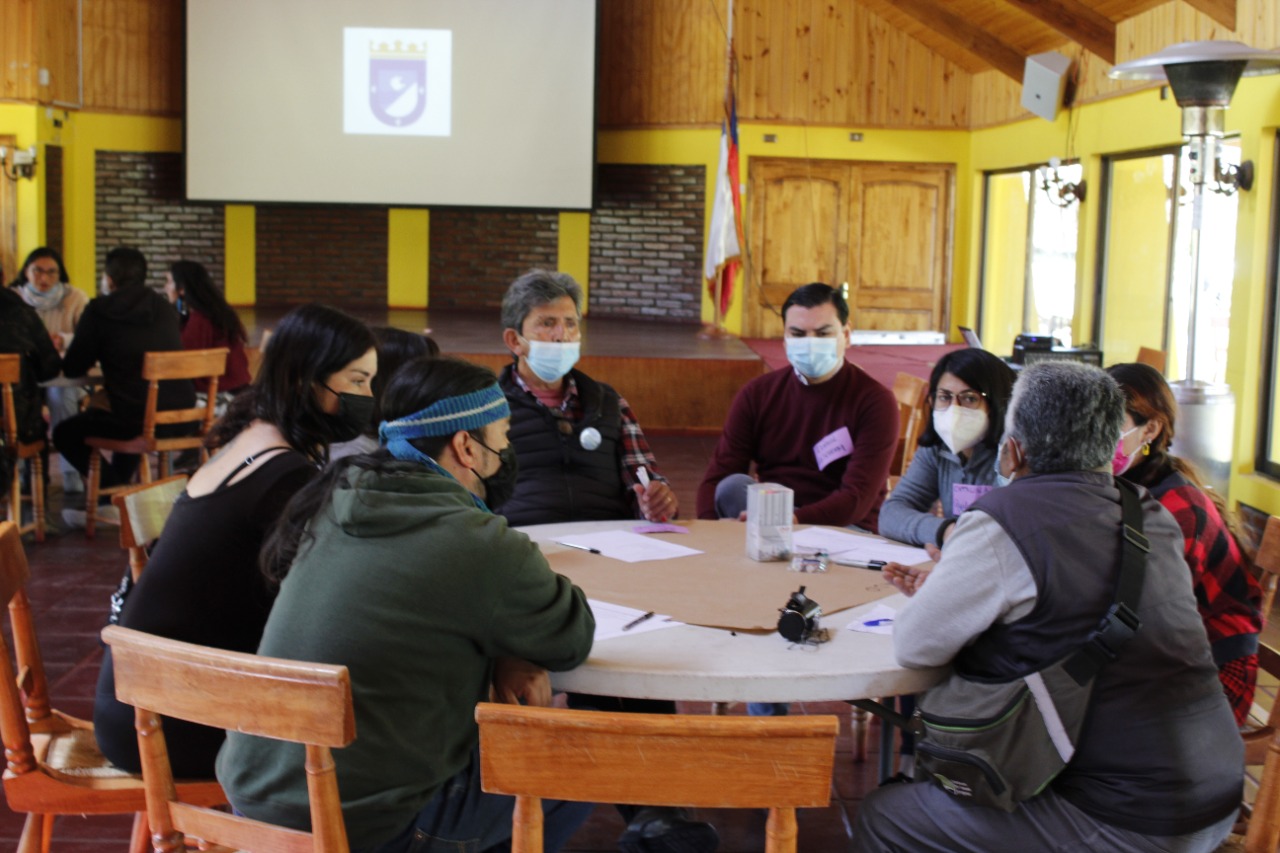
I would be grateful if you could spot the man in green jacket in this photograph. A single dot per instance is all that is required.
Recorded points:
(396, 569)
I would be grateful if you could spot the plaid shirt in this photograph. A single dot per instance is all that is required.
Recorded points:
(635, 447)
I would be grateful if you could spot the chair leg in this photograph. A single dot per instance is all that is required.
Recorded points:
(861, 731)
(91, 492)
(37, 494)
(36, 832)
(140, 838)
(780, 831)
(14, 510)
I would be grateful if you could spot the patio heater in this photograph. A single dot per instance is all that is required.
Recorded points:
(1203, 76)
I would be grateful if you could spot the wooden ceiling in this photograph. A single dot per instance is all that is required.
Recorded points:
(979, 35)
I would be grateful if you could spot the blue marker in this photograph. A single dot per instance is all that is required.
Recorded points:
(876, 623)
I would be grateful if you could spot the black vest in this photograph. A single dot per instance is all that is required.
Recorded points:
(1159, 753)
(559, 479)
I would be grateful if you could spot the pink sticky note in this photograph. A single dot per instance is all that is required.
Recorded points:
(964, 494)
(837, 445)
(659, 528)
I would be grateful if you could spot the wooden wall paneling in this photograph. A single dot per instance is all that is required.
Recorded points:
(58, 48)
(17, 47)
(133, 56)
(9, 259)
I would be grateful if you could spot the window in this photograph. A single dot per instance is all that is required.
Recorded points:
(1029, 258)
(1146, 297)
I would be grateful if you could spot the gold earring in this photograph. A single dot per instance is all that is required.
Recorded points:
(1146, 449)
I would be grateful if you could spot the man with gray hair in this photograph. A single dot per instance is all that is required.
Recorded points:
(1021, 584)
(582, 455)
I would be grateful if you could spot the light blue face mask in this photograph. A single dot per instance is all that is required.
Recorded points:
(1001, 479)
(813, 358)
(550, 361)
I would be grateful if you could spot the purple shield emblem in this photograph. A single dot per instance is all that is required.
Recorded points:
(398, 89)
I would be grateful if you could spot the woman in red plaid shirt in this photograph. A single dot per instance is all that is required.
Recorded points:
(1227, 593)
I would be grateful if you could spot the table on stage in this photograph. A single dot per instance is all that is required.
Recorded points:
(696, 663)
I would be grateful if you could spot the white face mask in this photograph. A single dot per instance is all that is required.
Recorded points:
(813, 358)
(960, 428)
(550, 361)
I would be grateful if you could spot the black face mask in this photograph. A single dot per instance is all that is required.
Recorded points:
(355, 415)
(499, 485)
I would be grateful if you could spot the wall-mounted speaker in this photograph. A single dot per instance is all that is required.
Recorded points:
(1044, 83)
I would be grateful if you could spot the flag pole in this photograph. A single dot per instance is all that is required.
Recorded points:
(717, 329)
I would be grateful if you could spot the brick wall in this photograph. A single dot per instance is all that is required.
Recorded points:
(475, 254)
(140, 204)
(53, 219)
(322, 253)
(646, 242)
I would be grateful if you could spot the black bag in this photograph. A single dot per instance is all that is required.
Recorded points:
(997, 743)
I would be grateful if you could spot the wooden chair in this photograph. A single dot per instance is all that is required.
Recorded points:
(156, 367)
(54, 766)
(29, 452)
(1267, 561)
(143, 511)
(1153, 357)
(307, 703)
(655, 759)
(912, 394)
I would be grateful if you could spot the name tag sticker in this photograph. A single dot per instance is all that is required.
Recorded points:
(837, 445)
(964, 494)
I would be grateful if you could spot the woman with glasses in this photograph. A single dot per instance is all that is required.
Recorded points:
(968, 390)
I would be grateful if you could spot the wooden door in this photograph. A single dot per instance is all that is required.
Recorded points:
(881, 230)
(9, 259)
(900, 247)
(800, 234)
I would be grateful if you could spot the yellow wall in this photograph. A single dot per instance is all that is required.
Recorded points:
(1005, 250)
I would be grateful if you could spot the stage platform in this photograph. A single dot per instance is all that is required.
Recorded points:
(676, 382)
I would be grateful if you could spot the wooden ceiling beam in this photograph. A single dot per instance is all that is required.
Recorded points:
(1078, 22)
(1222, 11)
(973, 39)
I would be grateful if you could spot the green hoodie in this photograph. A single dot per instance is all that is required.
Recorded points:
(416, 591)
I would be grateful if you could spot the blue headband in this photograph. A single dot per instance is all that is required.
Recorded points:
(450, 415)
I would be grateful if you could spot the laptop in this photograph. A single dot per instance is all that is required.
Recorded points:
(970, 337)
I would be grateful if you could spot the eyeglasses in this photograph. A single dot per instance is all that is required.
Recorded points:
(966, 399)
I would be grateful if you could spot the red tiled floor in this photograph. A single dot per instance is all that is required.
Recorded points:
(72, 579)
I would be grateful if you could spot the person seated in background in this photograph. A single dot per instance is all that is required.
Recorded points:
(1023, 583)
(208, 322)
(202, 584)
(43, 284)
(579, 444)
(115, 332)
(968, 392)
(820, 426)
(579, 450)
(22, 333)
(395, 347)
(1227, 594)
(393, 566)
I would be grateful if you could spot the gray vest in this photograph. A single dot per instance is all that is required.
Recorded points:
(1159, 753)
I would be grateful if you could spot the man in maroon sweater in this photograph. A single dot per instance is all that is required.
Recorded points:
(820, 426)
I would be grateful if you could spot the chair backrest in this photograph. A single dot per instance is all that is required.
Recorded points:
(1153, 357)
(655, 759)
(1262, 746)
(306, 703)
(1268, 562)
(143, 511)
(24, 692)
(911, 392)
(207, 364)
(10, 375)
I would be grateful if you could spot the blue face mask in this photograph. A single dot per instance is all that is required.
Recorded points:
(813, 358)
(1001, 479)
(550, 361)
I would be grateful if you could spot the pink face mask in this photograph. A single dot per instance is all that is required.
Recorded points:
(1121, 461)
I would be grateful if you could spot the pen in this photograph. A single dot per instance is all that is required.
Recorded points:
(636, 621)
(875, 623)
(579, 547)
(643, 476)
(874, 565)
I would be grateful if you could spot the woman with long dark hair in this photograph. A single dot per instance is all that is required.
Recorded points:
(968, 393)
(394, 566)
(1227, 595)
(202, 584)
(208, 322)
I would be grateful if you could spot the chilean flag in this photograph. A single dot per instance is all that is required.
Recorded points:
(724, 240)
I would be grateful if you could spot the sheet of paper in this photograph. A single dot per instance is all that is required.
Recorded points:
(877, 620)
(659, 528)
(628, 547)
(855, 546)
(612, 620)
